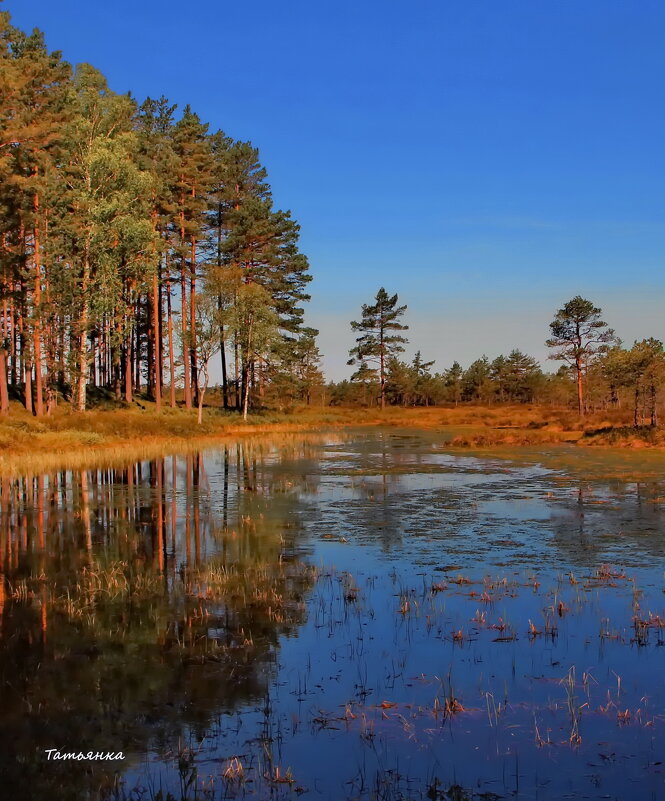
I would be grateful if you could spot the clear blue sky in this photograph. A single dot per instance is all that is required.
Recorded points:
(486, 160)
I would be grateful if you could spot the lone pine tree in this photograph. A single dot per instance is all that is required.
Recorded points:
(377, 343)
(578, 334)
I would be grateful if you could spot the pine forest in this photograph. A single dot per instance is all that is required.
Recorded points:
(135, 243)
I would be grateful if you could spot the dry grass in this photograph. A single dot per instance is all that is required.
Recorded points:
(112, 437)
(548, 419)
(625, 437)
(519, 438)
(105, 438)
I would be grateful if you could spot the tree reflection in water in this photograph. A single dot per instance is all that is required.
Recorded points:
(136, 605)
(146, 609)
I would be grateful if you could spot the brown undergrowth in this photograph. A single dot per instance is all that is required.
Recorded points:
(519, 438)
(105, 438)
(29, 445)
(625, 437)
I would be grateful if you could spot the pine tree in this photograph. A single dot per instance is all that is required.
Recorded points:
(578, 334)
(476, 381)
(249, 238)
(422, 379)
(294, 369)
(400, 382)
(376, 343)
(307, 366)
(158, 157)
(499, 374)
(256, 329)
(32, 106)
(102, 206)
(522, 376)
(237, 177)
(641, 369)
(193, 182)
(106, 225)
(263, 246)
(453, 381)
(207, 321)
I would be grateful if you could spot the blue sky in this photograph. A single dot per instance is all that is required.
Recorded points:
(486, 160)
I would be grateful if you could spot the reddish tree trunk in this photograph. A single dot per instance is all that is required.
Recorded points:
(183, 309)
(37, 299)
(156, 350)
(192, 325)
(185, 339)
(4, 393)
(580, 388)
(169, 327)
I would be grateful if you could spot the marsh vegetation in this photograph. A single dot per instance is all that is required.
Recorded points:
(361, 615)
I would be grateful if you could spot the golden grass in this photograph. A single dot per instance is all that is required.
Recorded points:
(113, 437)
(106, 438)
(522, 438)
(549, 419)
(625, 437)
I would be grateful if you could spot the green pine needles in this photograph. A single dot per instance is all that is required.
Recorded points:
(377, 342)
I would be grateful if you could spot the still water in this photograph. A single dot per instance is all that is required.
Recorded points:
(366, 615)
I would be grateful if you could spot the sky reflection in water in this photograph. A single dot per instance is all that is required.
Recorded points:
(361, 615)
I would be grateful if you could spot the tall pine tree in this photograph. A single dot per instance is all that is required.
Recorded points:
(377, 341)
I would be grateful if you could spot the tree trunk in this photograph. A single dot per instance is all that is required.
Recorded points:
(128, 364)
(116, 359)
(183, 308)
(149, 350)
(4, 393)
(25, 363)
(169, 329)
(222, 351)
(4, 341)
(62, 336)
(237, 375)
(185, 337)
(636, 407)
(160, 335)
(80, 396)
(117, 371)
(580, 388)
(202, 392)
(136, 348)
(245, 402)
(82, 359)
(220, 304)
(245, 369)
(382, 372)
(51, 388)
(192, 327)
(155, 341)
(37, 299)
(15, 373)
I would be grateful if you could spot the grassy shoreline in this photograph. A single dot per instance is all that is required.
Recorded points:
(29, 445)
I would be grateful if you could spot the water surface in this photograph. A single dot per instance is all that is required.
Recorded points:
(366, 615)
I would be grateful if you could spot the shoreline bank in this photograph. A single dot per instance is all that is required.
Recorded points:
(29, 445)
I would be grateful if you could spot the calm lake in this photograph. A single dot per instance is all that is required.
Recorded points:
(356, 615)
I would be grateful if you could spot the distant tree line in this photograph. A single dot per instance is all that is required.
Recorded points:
(135, 244)
(598, 374)
(514, 378)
